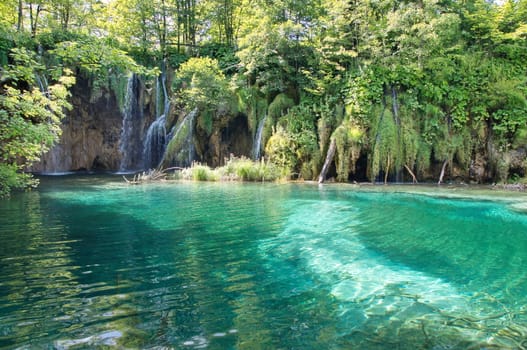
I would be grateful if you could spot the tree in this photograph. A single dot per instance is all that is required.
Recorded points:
(202, 86)
(225, 19)
(30, 115)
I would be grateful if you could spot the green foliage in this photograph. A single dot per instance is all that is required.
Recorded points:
(254, 105)
(199, 172)
(275, 111)
(202, 85)
(107, 65)
(279, 106)
(349, 139)
(300, 124)
(385, 144)
(30, 114)
(118, 83)
(6, 44)
(280, 150)
(361, 92)
(272, 54)
(223, 53)
(12, 179)
(448, 78)
(97, 57)
(243, 169)
(236, 169)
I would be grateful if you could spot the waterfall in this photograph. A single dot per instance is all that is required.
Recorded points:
(162, 96)
(156, 139)
(155, 143)
(132, 156)
(42, 82)
(166, 102)
(41, 79)
(257, 144)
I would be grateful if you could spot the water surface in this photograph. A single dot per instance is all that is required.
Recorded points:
(88, 262)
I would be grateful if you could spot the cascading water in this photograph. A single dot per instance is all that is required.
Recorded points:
(156, 140)
(257, 144)
(155, 143)
(132, 155)
(42, 84)
(166, 98)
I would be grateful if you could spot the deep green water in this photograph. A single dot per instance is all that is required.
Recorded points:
(90, 262)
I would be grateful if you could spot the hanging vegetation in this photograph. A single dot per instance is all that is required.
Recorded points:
(420, 91)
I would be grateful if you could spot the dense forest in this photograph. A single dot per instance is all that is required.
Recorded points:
(375, 90)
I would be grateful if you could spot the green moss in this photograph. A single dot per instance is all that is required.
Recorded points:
(279, 106)
(520, 139)
(281, 150)
(176, 152)
(423, 157)
(118, 84)
(205, 121)
(349, 140)
(385, 145)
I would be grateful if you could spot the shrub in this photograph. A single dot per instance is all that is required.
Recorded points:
(201, 172)
(281, 151)
(244, 169)
(236, 169)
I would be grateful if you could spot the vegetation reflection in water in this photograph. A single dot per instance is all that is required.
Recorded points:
(238, 266)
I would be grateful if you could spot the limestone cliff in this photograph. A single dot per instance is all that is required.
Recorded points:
(91, 131)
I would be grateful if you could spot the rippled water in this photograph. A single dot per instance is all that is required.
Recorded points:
(90, 262)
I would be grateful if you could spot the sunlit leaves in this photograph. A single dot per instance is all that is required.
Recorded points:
(96, 56)
(30, 115)
(202, 85)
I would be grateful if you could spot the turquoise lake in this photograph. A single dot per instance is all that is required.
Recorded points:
(90, 262)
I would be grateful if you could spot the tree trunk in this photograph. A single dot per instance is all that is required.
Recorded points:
(66, 16)
(414, 178)
(387, 171)
(329, 159)
(442, 172)
(33, 18)
(20, 23)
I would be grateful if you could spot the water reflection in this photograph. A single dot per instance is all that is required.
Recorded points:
(36, 269)
(222, 266)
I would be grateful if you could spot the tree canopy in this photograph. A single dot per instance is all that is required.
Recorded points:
(402, 85)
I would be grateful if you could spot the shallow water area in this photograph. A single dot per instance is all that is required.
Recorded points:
(91, 262)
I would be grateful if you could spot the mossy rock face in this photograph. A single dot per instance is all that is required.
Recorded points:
(180, 149)
(520, 139)
(349, 140)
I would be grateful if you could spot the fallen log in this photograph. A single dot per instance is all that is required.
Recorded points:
(329, 159)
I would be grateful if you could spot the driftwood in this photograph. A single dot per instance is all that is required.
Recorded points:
(442, 175)
(388, 163)
(414, 178)
(148, 176)
(329, 159)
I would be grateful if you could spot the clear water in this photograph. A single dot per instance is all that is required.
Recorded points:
(93, 263)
